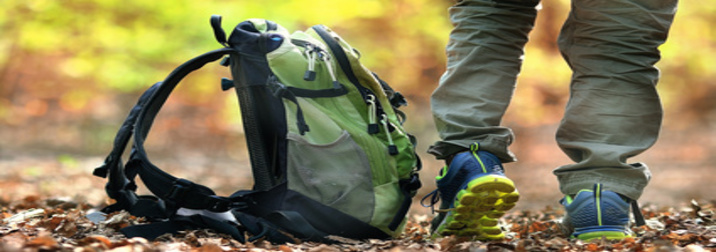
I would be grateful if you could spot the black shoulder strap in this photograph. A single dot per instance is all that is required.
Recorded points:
(172, 191)
(337, 51)
(396, 99)
(120, 185)
(175, 192)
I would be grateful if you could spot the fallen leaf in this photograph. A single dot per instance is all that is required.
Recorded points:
(591, 247)
(285, 248)
(96, 239)
(25, 215)
(43, 243)
(210, 248)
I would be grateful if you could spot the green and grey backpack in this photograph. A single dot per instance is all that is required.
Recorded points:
(328, 151)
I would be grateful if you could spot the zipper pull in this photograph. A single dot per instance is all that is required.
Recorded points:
(326, 58)
(310, 74)
(373, 127)
(392, 149)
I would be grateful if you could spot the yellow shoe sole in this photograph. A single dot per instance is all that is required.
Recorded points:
(478, 208)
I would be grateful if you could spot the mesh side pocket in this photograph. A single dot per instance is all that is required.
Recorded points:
(336, 174)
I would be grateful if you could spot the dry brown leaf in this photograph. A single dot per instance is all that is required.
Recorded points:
(43, 243)
(209, 248)
(285, 248)
(686, 229)
(96, 239)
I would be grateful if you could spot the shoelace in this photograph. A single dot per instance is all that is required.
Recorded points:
(638, 216)
(434, 199)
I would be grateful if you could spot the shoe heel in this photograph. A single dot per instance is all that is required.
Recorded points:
(491, 183)
(489, 194)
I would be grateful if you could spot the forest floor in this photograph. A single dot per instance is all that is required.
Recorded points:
(45, 198)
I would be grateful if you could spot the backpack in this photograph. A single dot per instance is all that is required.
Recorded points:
(328, 152)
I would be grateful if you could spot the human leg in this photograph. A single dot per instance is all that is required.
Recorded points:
(484, 57)
(614, 111)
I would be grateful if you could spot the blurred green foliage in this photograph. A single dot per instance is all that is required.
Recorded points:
(80, 64)
(124, 44)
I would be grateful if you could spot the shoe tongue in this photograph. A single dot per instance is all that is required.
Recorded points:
(568, 198)
(442, 173)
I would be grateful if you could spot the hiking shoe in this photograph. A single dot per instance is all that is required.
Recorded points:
(596, 214)
(474, 194)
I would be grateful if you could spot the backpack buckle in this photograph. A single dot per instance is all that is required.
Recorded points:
(412, 184)
(277, 89)
(219, 204)
(222, 204)
(398, 100)
(179, 190)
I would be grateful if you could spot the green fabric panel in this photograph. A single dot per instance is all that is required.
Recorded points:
(387, 202)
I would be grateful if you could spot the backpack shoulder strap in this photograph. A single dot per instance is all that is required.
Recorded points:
(172, 191)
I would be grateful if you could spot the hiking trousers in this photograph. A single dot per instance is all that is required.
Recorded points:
(613, 112)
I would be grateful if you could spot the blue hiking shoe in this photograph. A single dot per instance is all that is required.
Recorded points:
(474, 194)
(596, 214)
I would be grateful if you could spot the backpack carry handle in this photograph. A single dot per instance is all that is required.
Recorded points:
(219, 33)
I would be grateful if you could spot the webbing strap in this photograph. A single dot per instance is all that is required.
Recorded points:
(408, 187)
(320, 93)
(124, 134)
(638, 216)
(120, 185)
(219, 33)
(153, 230)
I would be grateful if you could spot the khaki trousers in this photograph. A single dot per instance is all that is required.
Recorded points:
(613, 112)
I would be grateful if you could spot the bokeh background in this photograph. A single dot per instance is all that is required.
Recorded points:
(71, 70)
